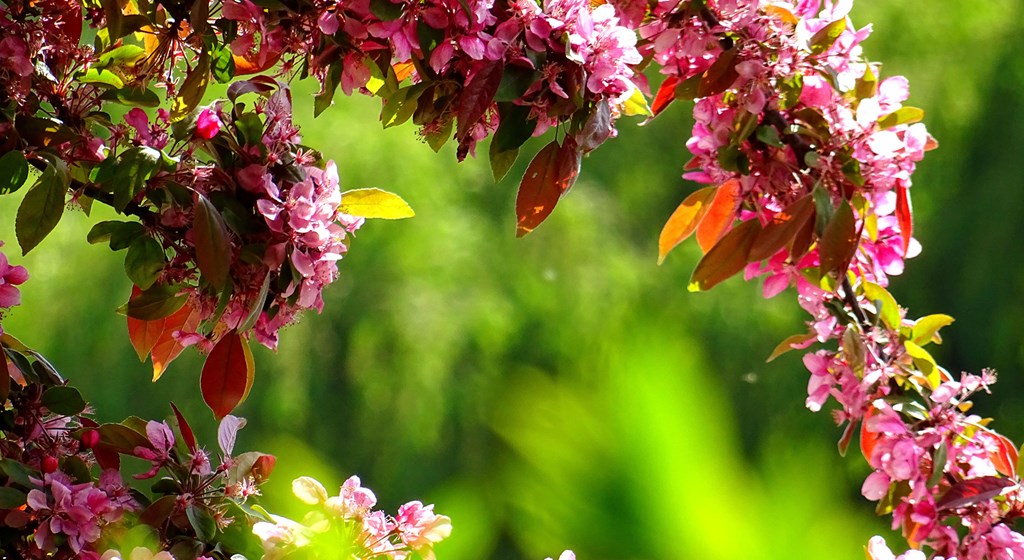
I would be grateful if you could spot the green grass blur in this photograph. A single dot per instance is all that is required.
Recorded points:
(562, 391)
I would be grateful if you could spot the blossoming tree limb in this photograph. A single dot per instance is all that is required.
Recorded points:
(232, 227)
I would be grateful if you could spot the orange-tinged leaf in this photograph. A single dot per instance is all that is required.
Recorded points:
(254, 62)
(726, 258)
(1004, 459)
(143, 334)
(227, 374)
(838, 242)
(684, 220)
(782, 12)
(792, 342)
(550, 174)
(782, 229)
(167, 348)
(905, 216)
(403, 70)
(719, 215)
(666, 95)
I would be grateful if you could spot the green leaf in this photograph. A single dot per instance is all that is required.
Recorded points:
(202, 522)
(136, 166)
(119, 234)
(102, 77)
(938, 465)
(12, 498)
(926, 329)
(826, 36)
(501, 162)
(132, 96)
(63, 400)
(375, 203)
(13, 171)
(192, 89)
(42, 207)
(213, 249)
(155, 303)
(144, 261)
(325, 98)
(515, 127)
(903, 115)
(222, 64)
(925, 363)
(770, 136)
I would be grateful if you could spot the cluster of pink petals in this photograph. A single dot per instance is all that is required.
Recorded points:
(75, 512)
(10, 277)
(415, 528)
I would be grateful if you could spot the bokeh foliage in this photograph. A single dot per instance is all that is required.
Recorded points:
(562, 390)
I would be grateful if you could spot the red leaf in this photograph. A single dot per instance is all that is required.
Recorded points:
(186, 430)
(868, 439)
(478, 96)
(227, 374)
(156, 337)
(720, 215)
(726, 258)
(143, 334)
(666, 95)
(838, 242)
(684, 220)
(720, 75)
(782, 229)
(972, 491)
(1005, 459)
(5, 378)
(263, 466)
(213, 249)
(905, 216)
(550, 174)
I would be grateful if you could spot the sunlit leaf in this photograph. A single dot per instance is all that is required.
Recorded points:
(191, 92)
(783, 227)
(926, 329)
(904, 216)
(903, 115)
(973, 491)
(889, 311)
(636, 105)
(665, 96)
(227, 374)
(375, 203)
(925, 363)
(726, 258)
(826, 36)
(792, 342)
(720, 215)
(683, 221)
(166, 347)
(551, 173)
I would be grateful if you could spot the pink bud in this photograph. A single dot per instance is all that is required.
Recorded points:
(208, 124)
(90, 438)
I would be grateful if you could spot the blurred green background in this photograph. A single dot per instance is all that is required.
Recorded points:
(562, 391)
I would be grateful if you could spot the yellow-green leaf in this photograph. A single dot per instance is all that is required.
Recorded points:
(375, 203)
(926, 329)
(636, 105)
(889, 311)
(924, 362)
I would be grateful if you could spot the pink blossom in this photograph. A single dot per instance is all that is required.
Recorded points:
(161, 441)
(207, 124)
(420, 527)
(10, 276)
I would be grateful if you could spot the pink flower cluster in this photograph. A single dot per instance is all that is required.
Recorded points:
(10, 277)
(73, 512)
(416, 528)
